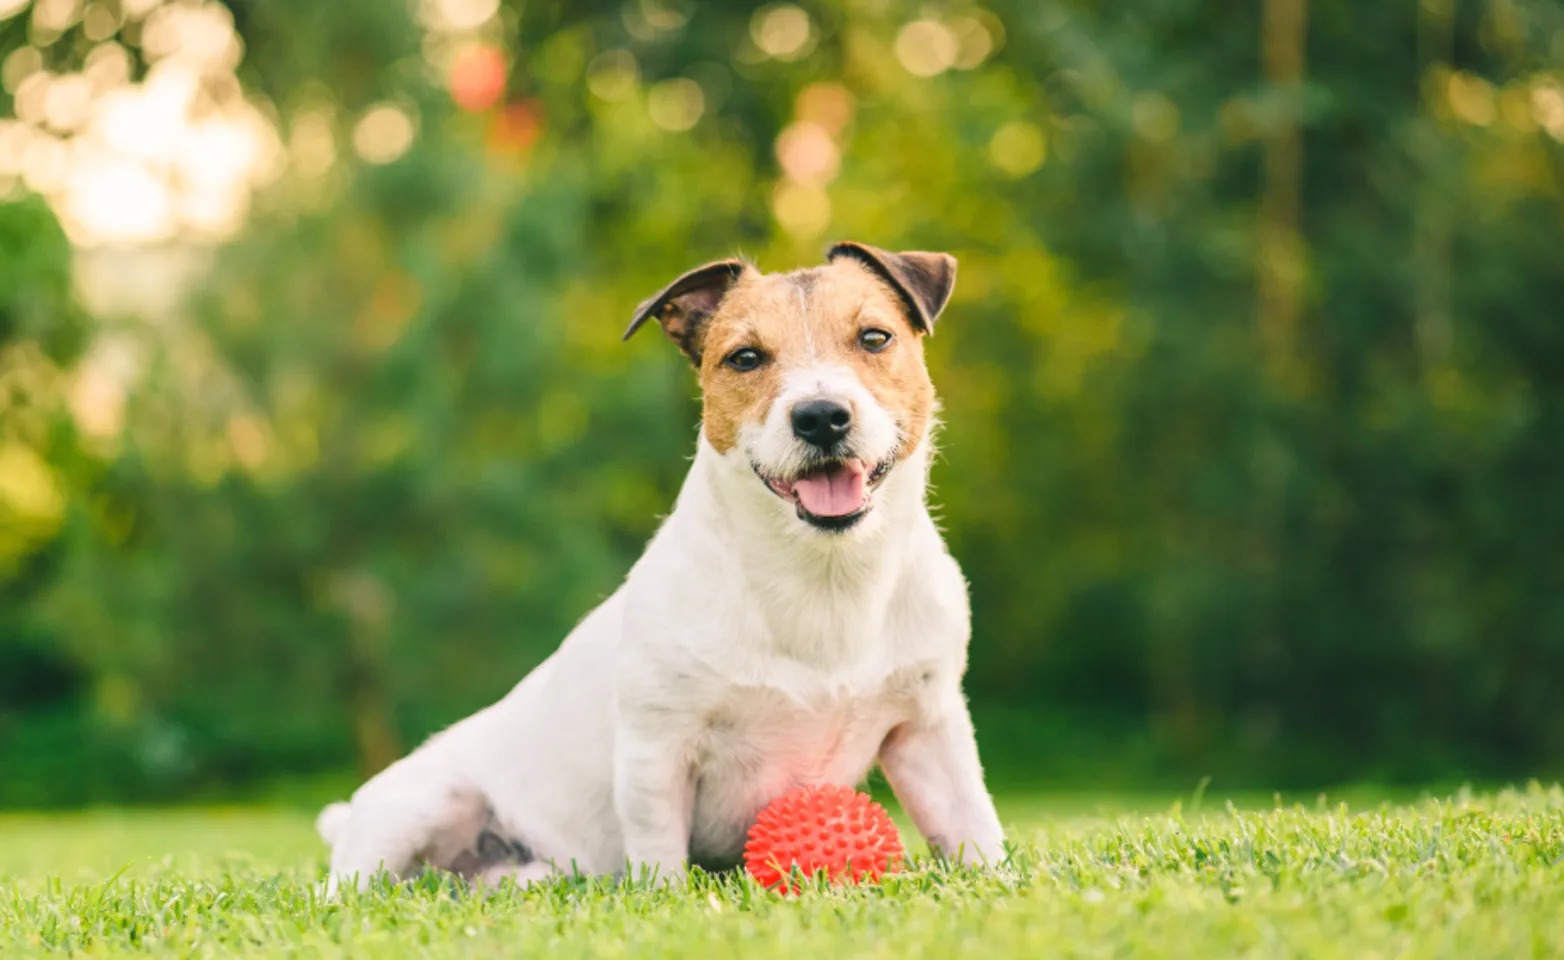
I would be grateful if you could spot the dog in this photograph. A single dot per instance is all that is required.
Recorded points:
(795, 620)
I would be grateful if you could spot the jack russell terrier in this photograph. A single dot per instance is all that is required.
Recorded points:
(795, 620)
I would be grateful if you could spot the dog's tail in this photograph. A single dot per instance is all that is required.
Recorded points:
(331, 821)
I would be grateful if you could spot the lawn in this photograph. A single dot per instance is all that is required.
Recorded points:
(1466, 876)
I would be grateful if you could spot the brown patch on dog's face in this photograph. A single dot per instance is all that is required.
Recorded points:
(816, 378)
(830, 316)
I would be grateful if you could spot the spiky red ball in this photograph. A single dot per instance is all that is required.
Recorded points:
(830, 829)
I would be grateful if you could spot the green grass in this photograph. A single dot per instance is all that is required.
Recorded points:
(1469, 876)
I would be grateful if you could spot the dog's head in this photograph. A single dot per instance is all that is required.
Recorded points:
(813, 379)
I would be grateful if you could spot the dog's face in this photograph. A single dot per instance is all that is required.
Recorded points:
(814, 379)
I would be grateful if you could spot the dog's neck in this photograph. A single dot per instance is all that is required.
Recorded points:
(818, 591)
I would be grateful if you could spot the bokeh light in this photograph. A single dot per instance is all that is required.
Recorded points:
(14, 140)
(247, 436)
(478, 77)
(1471, 98)
(1547, 103)
(457, 15)
(22, 63)
(55, 16)
(926, 48)
(127, 162)
(676, 104)
(97, 390)
(46, 164)
(384, 133)
(977, 37)
(647, 20)
(123, 201)
(828, 104)
(202, 37)
(803, 211)
(107, 65)
(99, 22)
(1017, 148)
(783, 31)
(807, 154)
(31, 94)
(312, 144)
(26, 485)
(1515, 107)
(516, 128)
(67, 101)
(613, 75)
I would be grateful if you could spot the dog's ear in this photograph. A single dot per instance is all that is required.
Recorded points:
(923, 280)
(686, 304)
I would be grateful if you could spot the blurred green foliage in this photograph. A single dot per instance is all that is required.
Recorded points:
(1253, 382)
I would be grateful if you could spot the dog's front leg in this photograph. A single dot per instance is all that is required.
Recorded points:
(932, 764)
(654, 796)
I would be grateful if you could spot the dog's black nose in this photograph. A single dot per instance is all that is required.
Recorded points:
(821, 422)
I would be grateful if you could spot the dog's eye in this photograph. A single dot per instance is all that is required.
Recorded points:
(874, 340)
(745, 360)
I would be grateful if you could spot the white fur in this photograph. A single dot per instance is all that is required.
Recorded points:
(771, 444)
(746, 653)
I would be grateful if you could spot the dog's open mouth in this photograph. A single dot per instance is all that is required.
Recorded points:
(832, 494)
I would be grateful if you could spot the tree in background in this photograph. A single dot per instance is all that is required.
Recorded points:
(1248, 382)
(41, 465)
(1333, 227)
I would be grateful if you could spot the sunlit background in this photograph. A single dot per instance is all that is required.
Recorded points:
(316, 433)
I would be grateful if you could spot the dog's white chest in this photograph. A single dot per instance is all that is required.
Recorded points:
(764, 742)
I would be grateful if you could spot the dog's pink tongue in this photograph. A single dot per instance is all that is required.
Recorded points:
(833, 492)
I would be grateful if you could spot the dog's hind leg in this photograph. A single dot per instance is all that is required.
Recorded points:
(488, 856)
(404, 816)
(332, 821)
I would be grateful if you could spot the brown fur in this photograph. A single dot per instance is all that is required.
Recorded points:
(805, 318)
(811, 316)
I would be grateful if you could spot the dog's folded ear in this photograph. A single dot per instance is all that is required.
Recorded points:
(684, 306)
(922, 280)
